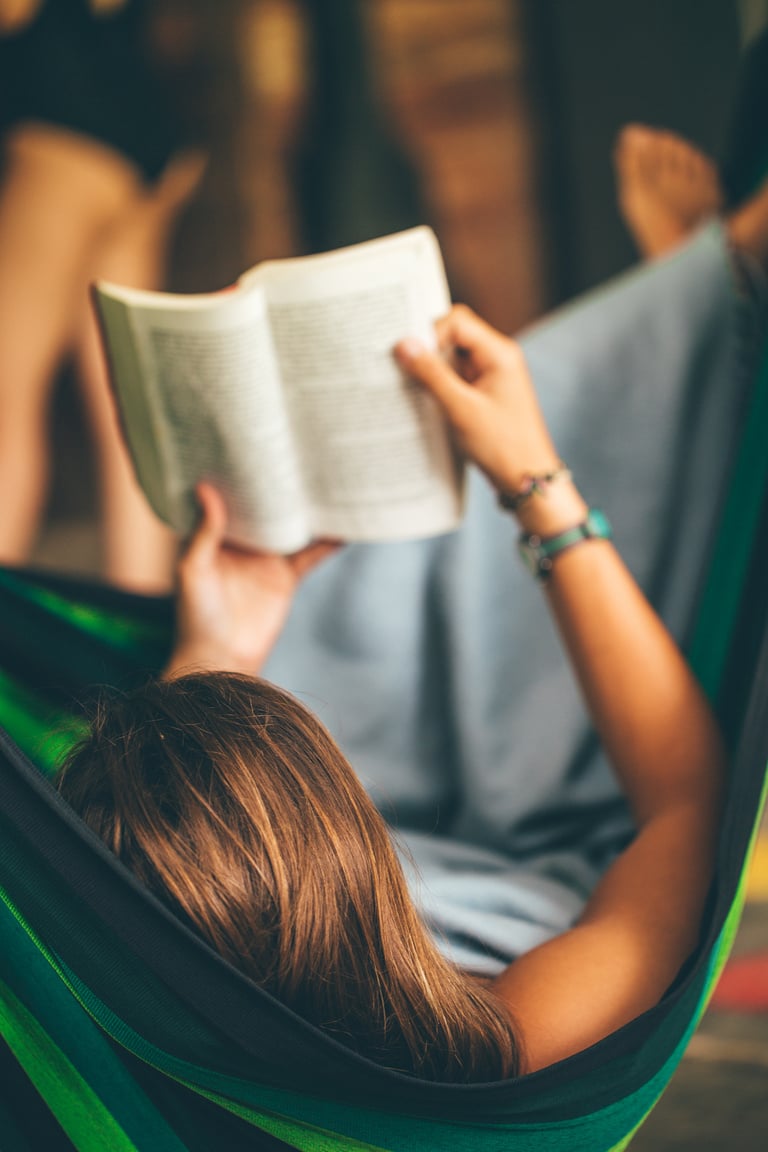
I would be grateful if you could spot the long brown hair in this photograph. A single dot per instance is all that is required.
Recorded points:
(231, 802)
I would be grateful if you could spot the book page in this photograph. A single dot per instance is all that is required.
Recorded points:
(376, 455)
(212, 388)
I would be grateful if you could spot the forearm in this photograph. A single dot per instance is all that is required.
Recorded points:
(652, 718)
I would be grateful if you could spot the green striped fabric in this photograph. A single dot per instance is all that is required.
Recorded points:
(104, 1110)
(112, 1087)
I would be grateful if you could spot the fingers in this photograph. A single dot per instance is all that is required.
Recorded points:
(462, 328)
(483, 348)
(206, 543)
(308, 558)
(431, 370)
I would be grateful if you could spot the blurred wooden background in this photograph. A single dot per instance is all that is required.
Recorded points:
(331, 121)
(348, 119)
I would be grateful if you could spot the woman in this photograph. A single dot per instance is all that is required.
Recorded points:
(233, 804)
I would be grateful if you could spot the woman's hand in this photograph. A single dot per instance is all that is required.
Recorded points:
(232, 604)
(488, 397)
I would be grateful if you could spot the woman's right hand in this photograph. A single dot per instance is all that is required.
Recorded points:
(488, 397)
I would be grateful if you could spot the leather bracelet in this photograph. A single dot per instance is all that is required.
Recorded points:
(539, 552)
(532, 484)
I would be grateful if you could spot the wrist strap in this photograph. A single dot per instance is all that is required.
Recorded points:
(538, 552)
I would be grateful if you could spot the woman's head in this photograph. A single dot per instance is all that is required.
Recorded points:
(231, 802)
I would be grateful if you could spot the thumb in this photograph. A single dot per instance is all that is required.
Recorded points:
(209, 534)
(431, 370)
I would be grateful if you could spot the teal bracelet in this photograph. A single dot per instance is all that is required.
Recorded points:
(538, 552)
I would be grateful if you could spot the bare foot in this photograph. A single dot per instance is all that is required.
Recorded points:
(666, 187)
(748, 226)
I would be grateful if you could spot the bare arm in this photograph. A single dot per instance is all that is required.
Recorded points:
(642, 920)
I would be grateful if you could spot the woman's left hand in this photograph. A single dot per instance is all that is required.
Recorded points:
(232, 604)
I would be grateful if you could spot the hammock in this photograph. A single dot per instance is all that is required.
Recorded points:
(138, 1037)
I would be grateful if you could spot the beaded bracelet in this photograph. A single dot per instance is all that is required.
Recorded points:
(511, 501)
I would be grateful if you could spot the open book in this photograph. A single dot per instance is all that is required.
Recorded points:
(283, 393)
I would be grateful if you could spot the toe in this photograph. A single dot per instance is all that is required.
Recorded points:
(631, 140)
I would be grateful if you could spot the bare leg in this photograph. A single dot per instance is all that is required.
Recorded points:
(666, 187)
(138, 549)
(61, 191)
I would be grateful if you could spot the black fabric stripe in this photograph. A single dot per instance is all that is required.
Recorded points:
(26, 1124)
